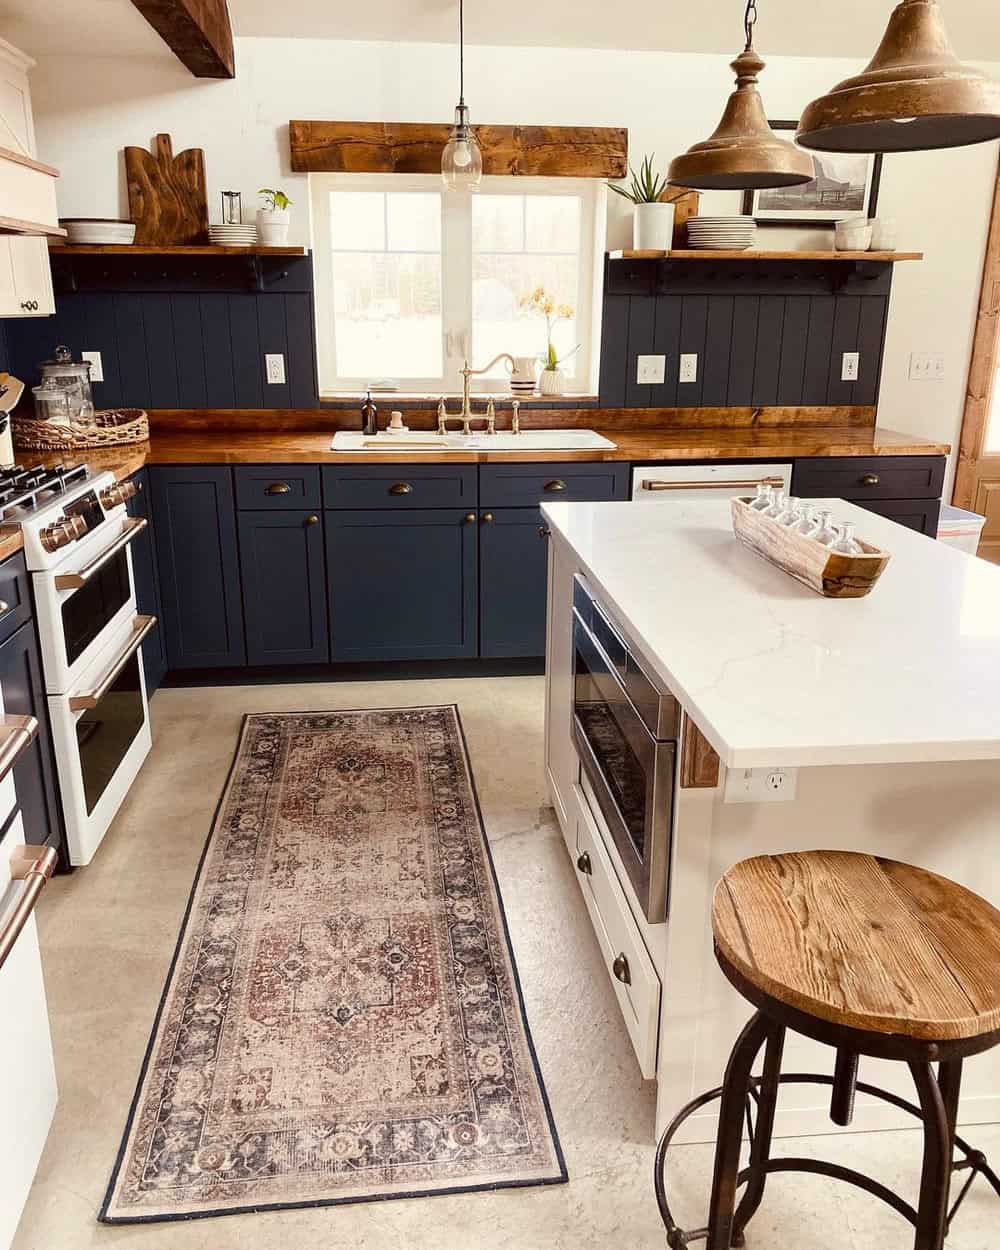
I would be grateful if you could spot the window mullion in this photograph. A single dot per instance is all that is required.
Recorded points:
(456, 268)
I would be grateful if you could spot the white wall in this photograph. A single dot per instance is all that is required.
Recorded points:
(88, 110)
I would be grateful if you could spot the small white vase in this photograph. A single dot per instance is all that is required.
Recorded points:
(272, 226)
(653, 227)
(551, 382)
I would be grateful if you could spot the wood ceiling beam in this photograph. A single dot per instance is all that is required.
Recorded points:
(198, 32)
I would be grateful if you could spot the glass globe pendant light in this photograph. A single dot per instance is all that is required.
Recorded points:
(461, 160)
(743, 152)
(913, 96)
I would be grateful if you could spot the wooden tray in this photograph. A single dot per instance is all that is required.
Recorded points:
(832, 575)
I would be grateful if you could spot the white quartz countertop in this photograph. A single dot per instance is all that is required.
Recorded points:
(774, 674)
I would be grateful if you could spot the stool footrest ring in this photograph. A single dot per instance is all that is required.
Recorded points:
(973, 1161)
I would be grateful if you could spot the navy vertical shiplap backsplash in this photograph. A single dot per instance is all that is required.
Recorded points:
(173, 335)
(4, 357)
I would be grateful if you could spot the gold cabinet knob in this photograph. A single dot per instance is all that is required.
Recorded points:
(487, 518)
(312, 520)
(870, 479)
(469, 518)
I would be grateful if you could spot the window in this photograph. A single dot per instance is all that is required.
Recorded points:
(412, 279)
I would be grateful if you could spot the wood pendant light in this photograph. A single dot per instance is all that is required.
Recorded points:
(743, 152)
(913, 96)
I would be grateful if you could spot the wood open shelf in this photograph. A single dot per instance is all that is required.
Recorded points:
(130, 249)
(752, 254)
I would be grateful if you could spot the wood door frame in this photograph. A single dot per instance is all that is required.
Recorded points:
(982, 368)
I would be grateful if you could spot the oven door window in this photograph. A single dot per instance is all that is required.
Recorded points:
(105, 733)
(595, 706)
(88, 610)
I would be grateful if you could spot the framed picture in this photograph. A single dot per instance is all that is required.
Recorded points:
(846, 185)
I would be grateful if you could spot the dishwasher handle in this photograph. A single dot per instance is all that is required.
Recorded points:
(728, 484)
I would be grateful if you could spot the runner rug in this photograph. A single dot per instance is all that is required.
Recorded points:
(342, 1020)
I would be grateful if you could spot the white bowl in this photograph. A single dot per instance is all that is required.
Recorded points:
(98, 231)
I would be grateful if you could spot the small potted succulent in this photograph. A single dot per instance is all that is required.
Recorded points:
(552, 380)
(273, 218)
(653, 221)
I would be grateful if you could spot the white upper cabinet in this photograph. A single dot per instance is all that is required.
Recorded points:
(27, 198)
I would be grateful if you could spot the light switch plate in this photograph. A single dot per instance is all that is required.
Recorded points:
(849, 367)
(650, 370)
(688, 371)
(760, 785)
(927, 367)
(274, 364)
(96, 367)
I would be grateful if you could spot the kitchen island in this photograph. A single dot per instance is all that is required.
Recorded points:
(878, 717)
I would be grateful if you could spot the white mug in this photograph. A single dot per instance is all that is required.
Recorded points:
(525, 368)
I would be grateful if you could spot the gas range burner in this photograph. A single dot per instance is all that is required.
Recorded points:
(23, 491)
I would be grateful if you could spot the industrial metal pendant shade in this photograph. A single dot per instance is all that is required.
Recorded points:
(461, 159)
(743, 152)
(914, 95)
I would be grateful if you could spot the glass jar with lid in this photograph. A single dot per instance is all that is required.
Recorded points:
(51, 402)
(73, 377)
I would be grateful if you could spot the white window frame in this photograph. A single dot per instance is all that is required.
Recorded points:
(456, 276)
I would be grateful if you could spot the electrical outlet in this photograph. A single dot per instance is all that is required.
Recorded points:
(274, 364)
(96, 367)
(650, 370)
(850, 366)
(927, 367)
(760, 785)
(688, 371)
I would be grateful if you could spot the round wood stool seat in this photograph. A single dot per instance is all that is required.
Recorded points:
(863, 942)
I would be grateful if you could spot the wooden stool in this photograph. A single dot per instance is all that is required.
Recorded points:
(873, 958)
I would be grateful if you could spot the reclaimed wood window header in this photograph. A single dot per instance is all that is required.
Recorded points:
(415, 148)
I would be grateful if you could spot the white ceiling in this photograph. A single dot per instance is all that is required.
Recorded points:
(849, 28)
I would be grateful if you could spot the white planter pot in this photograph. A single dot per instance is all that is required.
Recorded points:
(653, 227)
(551, 382)
(272, 226)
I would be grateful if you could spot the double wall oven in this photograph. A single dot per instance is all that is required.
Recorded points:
(625, 726)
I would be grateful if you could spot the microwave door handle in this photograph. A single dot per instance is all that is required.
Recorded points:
(91, 698)
(32, 866)
(132, 527)
(729, 484)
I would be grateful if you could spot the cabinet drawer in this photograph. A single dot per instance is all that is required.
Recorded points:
(916, 514)
(399, 486)
(15, 596)
(619, 938)
(524, 485)
(277, 486)
(869, 477)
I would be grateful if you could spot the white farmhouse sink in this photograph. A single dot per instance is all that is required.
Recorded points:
(416, 441)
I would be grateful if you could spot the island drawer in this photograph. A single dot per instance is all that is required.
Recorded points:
(526, 485)
(629, 967)
(399, 486)
(869, 477)
(277, 486)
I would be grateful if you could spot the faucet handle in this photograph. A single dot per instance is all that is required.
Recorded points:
(515, 421)
(491, 416)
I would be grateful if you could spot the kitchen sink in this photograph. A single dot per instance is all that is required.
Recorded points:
(415, 441)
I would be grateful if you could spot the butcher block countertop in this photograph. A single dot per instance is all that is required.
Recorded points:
(313, 447)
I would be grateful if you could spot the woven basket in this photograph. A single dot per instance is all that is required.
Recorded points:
(105, 429)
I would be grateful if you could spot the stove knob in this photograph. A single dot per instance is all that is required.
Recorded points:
(62, 532)
(117, 494)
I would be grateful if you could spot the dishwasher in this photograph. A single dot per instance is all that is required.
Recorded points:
(685, 481)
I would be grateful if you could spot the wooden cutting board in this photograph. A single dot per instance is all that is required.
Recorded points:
(166, 194)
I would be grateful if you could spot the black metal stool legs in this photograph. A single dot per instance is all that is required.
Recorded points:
(935, 1179)
(760, 1141)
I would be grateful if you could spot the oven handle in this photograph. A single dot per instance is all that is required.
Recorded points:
(16, 733)
(90, 699)
(652, 483)
(32, 865)
(132, 527)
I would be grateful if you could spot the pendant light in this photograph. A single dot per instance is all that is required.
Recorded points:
(744, 152)
(914, 95)
(461, 160)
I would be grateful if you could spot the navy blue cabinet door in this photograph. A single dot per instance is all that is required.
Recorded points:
(199, 566)
(147, 584)
(403, 585)
(284, 587)
(513, 576)
(34, 776)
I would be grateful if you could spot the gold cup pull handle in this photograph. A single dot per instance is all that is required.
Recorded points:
(278, 488)
(400, 488)
(621, 970)
(584, 864)
(556, 484)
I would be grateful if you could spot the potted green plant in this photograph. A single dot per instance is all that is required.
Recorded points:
(273, 218)
(653, 220)
(552, 380)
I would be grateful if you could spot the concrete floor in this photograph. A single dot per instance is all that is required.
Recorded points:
(108, 932)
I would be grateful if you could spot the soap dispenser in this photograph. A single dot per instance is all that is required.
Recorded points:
(369, 416)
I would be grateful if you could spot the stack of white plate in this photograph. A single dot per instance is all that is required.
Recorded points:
(94, 230)
(721, 233)
(233, 236)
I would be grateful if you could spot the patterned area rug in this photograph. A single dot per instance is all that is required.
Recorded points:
(342, 1020)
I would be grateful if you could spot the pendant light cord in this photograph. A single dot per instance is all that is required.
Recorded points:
(461, 51)
(749, 18)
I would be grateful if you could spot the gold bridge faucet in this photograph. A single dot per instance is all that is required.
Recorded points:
(467, 416)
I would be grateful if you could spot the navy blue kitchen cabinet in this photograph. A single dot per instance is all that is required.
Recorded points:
(906, 489)
(198, 558)
(24, 695)
(147, 584)
(513, 581)
(284, 587)
(403, 584)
